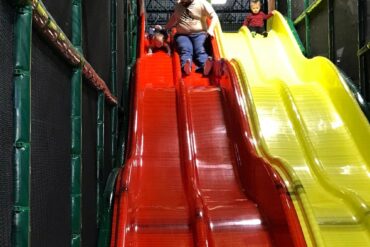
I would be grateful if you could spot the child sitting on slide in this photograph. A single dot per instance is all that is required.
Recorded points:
(158, 40)
(255, 20)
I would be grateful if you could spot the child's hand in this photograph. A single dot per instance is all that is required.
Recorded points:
(210, 33)
(150, 52)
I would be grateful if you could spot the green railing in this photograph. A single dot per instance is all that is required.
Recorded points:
(22, 139)
(363, 45)
(76, 134)
(33, 13)
(131, 12)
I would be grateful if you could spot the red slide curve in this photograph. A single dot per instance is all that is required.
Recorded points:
(192, 177)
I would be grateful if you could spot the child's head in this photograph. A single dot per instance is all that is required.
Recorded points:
(185, 3)
(158, 40)
(255, 6)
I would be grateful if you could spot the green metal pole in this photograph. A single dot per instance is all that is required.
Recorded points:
(131, 39)
(100, 154)
(107, 206)
(114, 111)
(22, 144)
(76, 122)
(289, 2)
(331, 34)
(124, 128)
(307, 28)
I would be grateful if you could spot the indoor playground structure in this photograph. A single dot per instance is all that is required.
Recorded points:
(105, 144)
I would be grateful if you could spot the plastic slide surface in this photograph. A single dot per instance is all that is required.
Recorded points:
(191, 177)
(307, 124)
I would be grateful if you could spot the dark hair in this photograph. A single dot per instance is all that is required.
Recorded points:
(255, 1)
(152, 31)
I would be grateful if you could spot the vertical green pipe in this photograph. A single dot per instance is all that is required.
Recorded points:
(130, 40)
(331, 34)
(107, 209)
(76, 124)
(308, 29)
(289, 2)
(100, 155)
(22, 137)
(124, 128)
(114, 112)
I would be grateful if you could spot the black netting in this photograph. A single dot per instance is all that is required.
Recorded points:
(367, 77)
(6, 121)
(346, 33)
(301, 30)
(61, 12)
(297, 8)
(367, 21)
(96, 21)
(231, 14)
(282, 6)
(89, 114)
(319, 31)
(50, 148)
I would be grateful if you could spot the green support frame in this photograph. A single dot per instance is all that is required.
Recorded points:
(21, 228)
(107, 209)
(76, 126)
(363, 45)
(34, 11)
(130, 40)
(100, 154)
(308, 9)
(113, 78)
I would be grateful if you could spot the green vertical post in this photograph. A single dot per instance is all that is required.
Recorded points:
(289, 3)
(331, 34)
(307, 28)
(107, 209)
(114, 111)
(76, 125)
(21, 228)
(100, 155)
(131, 39)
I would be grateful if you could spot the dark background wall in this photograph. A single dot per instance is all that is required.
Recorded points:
(346, 32)
(51, 76)
(50, 147)
(51, 123)
(6, 121)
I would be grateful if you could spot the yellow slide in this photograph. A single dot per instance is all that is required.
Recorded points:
(307, 124)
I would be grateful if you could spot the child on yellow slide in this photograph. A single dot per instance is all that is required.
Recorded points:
(255, 20)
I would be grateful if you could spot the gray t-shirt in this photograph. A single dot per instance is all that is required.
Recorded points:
(192, 19)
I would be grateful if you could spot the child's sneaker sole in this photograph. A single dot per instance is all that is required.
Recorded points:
(207, 66)
(187, 67)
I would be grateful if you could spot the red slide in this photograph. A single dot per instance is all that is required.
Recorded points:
(192, 177)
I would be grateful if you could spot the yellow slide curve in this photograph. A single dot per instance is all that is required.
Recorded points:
(310, 128)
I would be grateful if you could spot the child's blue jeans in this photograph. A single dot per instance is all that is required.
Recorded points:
(192, 44)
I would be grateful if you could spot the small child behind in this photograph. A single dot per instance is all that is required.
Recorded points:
(255, 20)
(158, 40)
